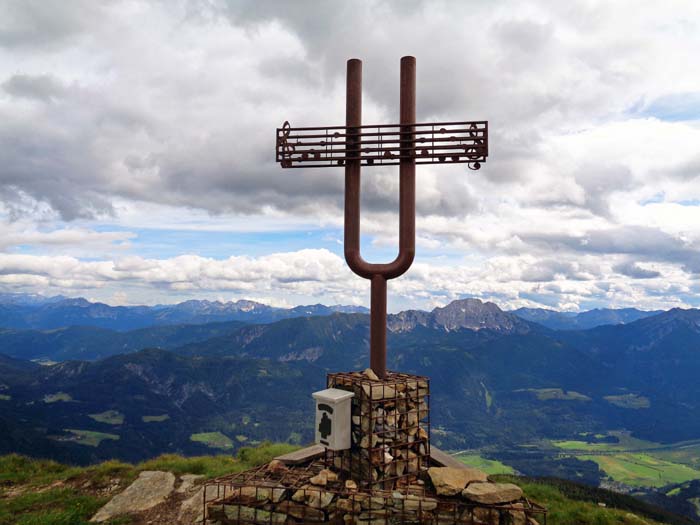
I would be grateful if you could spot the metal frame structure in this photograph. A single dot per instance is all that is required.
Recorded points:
(406, 144)
(383, 144)
(249, 498)
(390, 429)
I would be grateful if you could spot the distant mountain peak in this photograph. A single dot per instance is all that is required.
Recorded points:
(475, 314)
(470, 314)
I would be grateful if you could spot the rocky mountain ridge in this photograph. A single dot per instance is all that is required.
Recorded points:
(31, 312)
(469, 314)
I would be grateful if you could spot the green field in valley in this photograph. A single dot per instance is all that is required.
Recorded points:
(631, 401)
(625, 443)
(490, 466)
(110, 417)
(213, 439)
(58, 396)
(155, 419)
(637, 462)
(86, 437)
(685, 453)
(549, 394)
(643, 470)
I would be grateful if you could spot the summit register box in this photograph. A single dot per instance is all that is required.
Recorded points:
(333, 410)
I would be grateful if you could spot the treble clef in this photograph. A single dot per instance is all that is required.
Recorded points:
(285, 147)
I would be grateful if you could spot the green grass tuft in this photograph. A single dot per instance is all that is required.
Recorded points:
(264, 453)
(41, 504)
(102, 473)
(18, 469)
(563, 510)
(209, 466)
(64, 506)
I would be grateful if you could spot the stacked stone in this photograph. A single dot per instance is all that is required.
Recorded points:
(458, 498)
(390, 428)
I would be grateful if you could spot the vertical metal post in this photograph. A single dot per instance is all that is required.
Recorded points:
(407, 165)
(353, 118)
(377, 327)
(380, 273)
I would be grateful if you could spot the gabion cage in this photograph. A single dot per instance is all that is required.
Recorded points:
(390, 429)
(291, 496)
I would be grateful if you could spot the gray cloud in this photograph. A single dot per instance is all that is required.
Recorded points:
(32, 24)
(550, 270)
(203, 119)
(40, 87)
(632, 269)
(649, 244)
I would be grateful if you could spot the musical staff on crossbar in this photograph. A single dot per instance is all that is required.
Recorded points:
(383, 145)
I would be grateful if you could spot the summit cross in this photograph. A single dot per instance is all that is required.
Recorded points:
(406, 144)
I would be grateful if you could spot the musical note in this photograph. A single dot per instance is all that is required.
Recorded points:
(386, 145)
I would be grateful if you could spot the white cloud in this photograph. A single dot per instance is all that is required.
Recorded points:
(110, 125)
(314, 275)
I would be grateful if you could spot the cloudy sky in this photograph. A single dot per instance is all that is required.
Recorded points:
(137, 150)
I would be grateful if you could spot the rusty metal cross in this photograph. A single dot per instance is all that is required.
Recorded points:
(406, 144)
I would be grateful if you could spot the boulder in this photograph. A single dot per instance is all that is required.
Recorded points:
(492, 493)
(449, 481)
(191, 508)
(151, 488)
(189, 482)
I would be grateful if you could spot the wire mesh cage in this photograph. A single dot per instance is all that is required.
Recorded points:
(316, 494)
(390, 429)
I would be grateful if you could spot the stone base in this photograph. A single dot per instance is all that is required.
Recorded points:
(390, 428)
(281, 495)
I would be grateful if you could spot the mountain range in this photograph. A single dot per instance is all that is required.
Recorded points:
(33, 311)
(499, 382)
(490, 369)
(582, 320)
(21, 311)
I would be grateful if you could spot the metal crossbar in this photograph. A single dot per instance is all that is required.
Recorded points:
(383, 144)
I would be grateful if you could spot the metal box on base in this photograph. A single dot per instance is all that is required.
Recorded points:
(333, 411)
